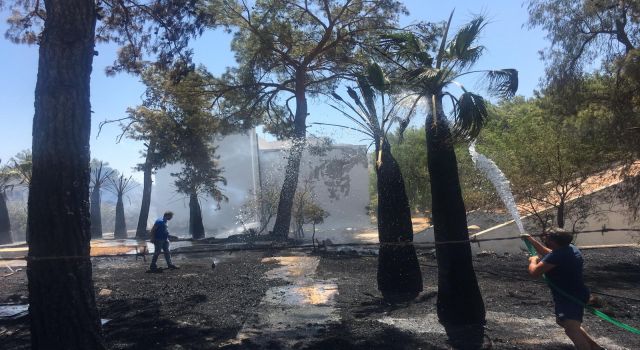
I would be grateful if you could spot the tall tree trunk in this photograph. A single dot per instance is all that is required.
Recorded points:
(96, 215)
(288, 192)
(196, 227)
(121, 225)
(5, 223)
(459, 299)
(560, 212)
(399, 275)
(62, 307)
(141, 229)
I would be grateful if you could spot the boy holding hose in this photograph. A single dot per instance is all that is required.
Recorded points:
(562, 264)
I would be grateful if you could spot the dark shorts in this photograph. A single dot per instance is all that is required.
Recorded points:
(568, 310)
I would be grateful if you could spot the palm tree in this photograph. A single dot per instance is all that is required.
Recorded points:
(8, 178)
(399, 275)
(99, 175)
(120, 186)
(429, 78)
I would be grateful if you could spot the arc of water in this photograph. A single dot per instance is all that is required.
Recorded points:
(499, 181)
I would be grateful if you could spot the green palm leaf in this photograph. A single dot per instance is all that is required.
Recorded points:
(376, 77)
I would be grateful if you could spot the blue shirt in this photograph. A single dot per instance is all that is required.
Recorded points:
(567, 273)
(162, 232)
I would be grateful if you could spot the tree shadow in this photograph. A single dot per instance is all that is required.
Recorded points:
(378, 305)
(467, 337)
(140, 324)
(387, 338)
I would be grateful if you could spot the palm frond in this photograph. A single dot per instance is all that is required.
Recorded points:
(364, 118)
(462, 48)
(376, 78)
(421, 75)
(503, 83)
(408, 46)
(470, 116)
(363, 109)
(369, 97)
(363, 124)
(445, 33)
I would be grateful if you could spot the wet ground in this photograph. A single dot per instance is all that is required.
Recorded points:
(295, 299)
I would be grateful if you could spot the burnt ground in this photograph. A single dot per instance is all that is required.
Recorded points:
(198, 307)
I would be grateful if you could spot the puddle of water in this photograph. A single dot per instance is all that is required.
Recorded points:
(306, 320)
(295, 295)
(13, 310)
(293, 268)
(293, 314)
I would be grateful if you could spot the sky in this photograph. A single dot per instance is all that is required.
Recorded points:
(509, 44)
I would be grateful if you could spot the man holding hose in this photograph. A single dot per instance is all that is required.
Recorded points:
(562, 264)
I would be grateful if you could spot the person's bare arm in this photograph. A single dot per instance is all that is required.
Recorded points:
(537, 267)
(541, 249)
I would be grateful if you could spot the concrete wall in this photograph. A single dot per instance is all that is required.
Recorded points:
(611, 215)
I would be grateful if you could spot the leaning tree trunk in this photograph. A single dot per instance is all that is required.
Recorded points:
(121, 225)
(62, 307)
(196, 227)
(459, 300)
(399, 275)
(5, 223)
(141, 230)
(96, 215)
(288, 192)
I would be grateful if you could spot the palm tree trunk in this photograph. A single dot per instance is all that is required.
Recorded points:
(121, 225)
(459, 298)
(62, 307)
(196, 227)
(141, 229)
(5, 223)
(96, 215)
(285, 204)
(399, 275)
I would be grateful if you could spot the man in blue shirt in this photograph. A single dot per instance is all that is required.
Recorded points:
(562, 265)
(160, 238)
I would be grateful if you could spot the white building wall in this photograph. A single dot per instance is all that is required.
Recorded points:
(340, 180)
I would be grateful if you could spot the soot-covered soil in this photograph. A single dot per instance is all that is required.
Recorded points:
(197, 307)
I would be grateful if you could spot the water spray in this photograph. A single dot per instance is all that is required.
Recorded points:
(502, 185)
(499, 181)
